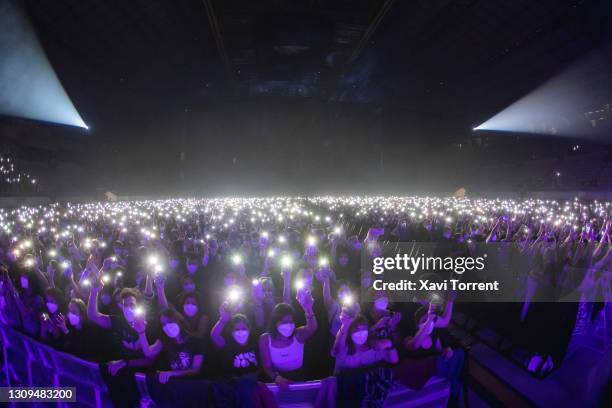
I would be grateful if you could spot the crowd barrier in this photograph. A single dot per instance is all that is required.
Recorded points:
(303, 395)
(27, 362)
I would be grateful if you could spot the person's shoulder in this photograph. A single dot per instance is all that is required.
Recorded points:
(116, 320)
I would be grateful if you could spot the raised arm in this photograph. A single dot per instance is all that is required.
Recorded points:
(445, 319)
(93, 314)
(216, 335)
(303, 333)
(327, 297)
(160, 286)
(286, 274)
(266, 360)
(339, 346)
(149, 350)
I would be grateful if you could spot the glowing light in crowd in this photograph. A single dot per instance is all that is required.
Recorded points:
(29, 86)
(286, 261)
(236, 259)
(233, 294)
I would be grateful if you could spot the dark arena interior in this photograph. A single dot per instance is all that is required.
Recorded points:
(306, 203)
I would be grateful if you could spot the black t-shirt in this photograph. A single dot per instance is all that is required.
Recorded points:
(236, 360)
(91, 342)
(125, 338)
(179, 356)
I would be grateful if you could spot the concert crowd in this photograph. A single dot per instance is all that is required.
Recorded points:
(243, 292)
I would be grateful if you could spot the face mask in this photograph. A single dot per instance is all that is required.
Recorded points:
(52, 307)
(24, 282)
(241, 336)
(359, 337)
(172, 330)
(173, 263)
(74, 319)
(190, 309)
(189, 288)
(381, 303)
(192, 268)
(286, 329)
(128, 312)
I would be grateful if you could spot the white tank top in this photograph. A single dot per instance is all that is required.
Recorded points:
(287, 358)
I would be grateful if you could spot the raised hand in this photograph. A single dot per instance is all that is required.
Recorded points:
(225, 313)
(305, 300)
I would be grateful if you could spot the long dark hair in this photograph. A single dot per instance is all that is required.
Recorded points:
(280, 310)
(359, 319)
(57, 295)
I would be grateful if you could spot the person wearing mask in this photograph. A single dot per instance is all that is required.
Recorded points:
(428, 345)
(31, 303)
(282, 347)
(182, 354)
(121, 327)
(82, 338)
(237, 347)
(196, 321)
(355, 349)
(53, 317)
(384, 321)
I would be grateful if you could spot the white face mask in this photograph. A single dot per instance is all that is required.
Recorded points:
(360, 337)
(128, 312)
(286, 329)
(191, 268)
(172, 330)
(24, 282)
(190, 309)
(74, 319)
(241, 336)
(381, 303)
(52, 307)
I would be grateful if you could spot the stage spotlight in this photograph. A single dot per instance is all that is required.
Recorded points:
(557, 107)
(29, 87)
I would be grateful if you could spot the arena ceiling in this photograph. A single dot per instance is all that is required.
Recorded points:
(464, 59)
